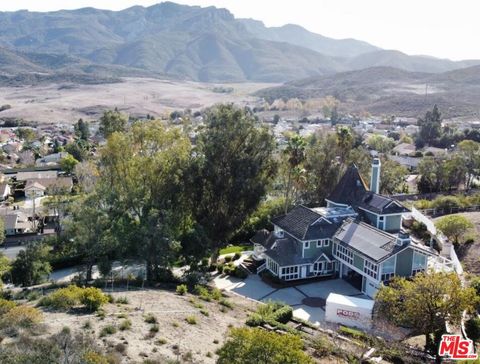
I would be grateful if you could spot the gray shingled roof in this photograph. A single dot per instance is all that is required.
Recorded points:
(367, 240)
(305, 224)
(287, 252)
(352, 190)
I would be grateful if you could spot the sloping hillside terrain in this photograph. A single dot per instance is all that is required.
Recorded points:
(382, 90)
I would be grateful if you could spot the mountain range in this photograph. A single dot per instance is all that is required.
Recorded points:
(184, 42)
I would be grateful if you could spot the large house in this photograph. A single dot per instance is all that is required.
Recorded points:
(357, 236)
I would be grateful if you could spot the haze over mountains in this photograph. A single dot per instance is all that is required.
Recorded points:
(183, 42)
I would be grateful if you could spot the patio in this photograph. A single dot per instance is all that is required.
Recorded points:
(307, 299)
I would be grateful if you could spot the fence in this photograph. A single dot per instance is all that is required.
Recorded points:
(440, 211)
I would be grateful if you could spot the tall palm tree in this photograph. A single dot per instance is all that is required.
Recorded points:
(295, 153)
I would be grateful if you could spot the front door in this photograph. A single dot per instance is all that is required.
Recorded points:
(303, 270)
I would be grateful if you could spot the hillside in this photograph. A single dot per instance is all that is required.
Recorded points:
(184, 42)
(387, 90)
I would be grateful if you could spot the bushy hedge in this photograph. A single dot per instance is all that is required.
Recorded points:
(272, 313)
(283, 314)
(66, 298)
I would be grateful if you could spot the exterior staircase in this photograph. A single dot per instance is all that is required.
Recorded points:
(252, 265)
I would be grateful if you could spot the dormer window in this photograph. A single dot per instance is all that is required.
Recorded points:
(319, 243)
(307, 245)
(278, 232)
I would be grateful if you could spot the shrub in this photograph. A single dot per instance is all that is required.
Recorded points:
(33, 295)
(192, 320)
(182, 289)
(160, 341)
(204, 312)
(155, 328)
(322, 346)
(216, 294)
(212, 267)
(225, 303)
(243, 344)
(240, 273)
(203, 292)
(446, 202)
(93, 298)
(108, 330)
(121, 300)
(150, 318)
(236, 256)
(472, 327)
(255, 320)
(125, 325)
(220, 267)
(92, 357)
(121, 348)
(6, 305)
(228, 259)
(22, 316)
(272, 313)
(63, 298)
(229, 269)
(283, 314)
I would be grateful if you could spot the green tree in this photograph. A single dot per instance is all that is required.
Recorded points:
(27, 134)
(295, 156)
(380, 143)
(76, 150)
(454, 226)
(89, 231)
(345, 140)
(142, 179)
(392, 177)
(246, 345)
(470, 154)
(31, 265)
(233, 171)
(82, 129)
(5, 267)
(322, 168)
(111, 122)
(425, 303)
(430, 127)
(68, 163)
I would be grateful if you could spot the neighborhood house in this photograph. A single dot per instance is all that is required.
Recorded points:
(358, 236)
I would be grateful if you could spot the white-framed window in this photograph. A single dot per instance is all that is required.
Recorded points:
(307, 244)
(370, 268)
(319, 243)
(419, 262)
(388, 269)
(318, 267)
(344, 253)
(326, 242)
(289, 273)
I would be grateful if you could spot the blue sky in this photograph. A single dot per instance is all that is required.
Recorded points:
(441, 28)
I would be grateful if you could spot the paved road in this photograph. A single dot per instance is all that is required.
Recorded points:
(11, 252)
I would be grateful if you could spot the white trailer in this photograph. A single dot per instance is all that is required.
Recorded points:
(349, 311)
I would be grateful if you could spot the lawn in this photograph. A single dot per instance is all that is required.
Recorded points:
(235, 249)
